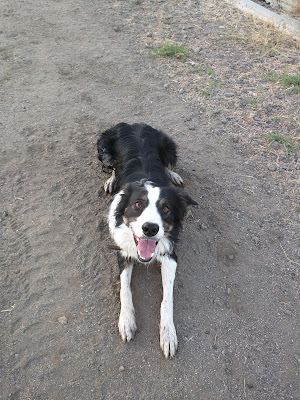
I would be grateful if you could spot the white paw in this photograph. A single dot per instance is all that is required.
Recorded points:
(108, 185)
(175, 178)
(168, 339)
(127, 326)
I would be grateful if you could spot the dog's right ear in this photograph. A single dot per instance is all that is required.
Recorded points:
(104, 147)
(123, 203)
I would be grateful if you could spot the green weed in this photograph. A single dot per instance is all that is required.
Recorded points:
(189, 214)
(288, 142)
(291, 80)
(205, 92)
(172, 50)
(136, 3)
(198, 71)
(201, 71)
(253, 102)
(215, 84)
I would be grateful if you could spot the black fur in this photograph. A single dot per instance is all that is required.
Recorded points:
(137, 152)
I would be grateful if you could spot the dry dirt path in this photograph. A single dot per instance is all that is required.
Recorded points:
(72, 68)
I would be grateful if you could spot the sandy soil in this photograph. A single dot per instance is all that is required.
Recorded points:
(72, 68)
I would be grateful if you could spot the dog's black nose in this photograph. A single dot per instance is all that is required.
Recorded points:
(150, 229)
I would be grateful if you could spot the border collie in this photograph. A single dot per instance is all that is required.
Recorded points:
(145, 215)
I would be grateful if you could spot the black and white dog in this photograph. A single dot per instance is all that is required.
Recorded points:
(145, 215)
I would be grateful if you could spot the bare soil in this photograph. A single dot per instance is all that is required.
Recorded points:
(72, 68)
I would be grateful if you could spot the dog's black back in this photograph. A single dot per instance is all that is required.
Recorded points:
(137, 152)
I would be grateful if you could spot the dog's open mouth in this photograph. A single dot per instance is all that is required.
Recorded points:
(145, 248)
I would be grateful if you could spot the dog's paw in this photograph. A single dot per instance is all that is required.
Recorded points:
(168, 339)
(108, 185)
(175, 178)
(127, 326)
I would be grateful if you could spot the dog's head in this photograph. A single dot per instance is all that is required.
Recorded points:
(153, 215)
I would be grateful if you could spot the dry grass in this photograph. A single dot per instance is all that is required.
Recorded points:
(296, 10)
(259, 36)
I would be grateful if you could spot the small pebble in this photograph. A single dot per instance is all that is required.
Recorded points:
(63, 320)
(275, 145)
(121, 369)
(287, 312)
(196, 49)
(217, 301)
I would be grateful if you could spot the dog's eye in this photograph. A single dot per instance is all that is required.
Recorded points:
(138, 205)
(165, 209)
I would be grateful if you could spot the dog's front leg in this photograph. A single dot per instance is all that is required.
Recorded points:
(109, 184)
(168, 338)
(127, 326)
(174, 177)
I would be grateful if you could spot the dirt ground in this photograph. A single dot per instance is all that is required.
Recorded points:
(70, 69)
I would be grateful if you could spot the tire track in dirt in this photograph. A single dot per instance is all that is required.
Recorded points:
(38, 245)
(91, 205)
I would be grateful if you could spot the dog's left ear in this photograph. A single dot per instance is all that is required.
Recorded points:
(189, 201)
(183, 201)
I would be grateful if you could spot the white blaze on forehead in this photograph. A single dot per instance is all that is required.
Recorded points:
(150, 214)
(153, 195)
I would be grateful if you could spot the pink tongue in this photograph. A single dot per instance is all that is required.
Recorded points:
(146, 248)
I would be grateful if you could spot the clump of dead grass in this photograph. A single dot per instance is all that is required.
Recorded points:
(260, 36)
